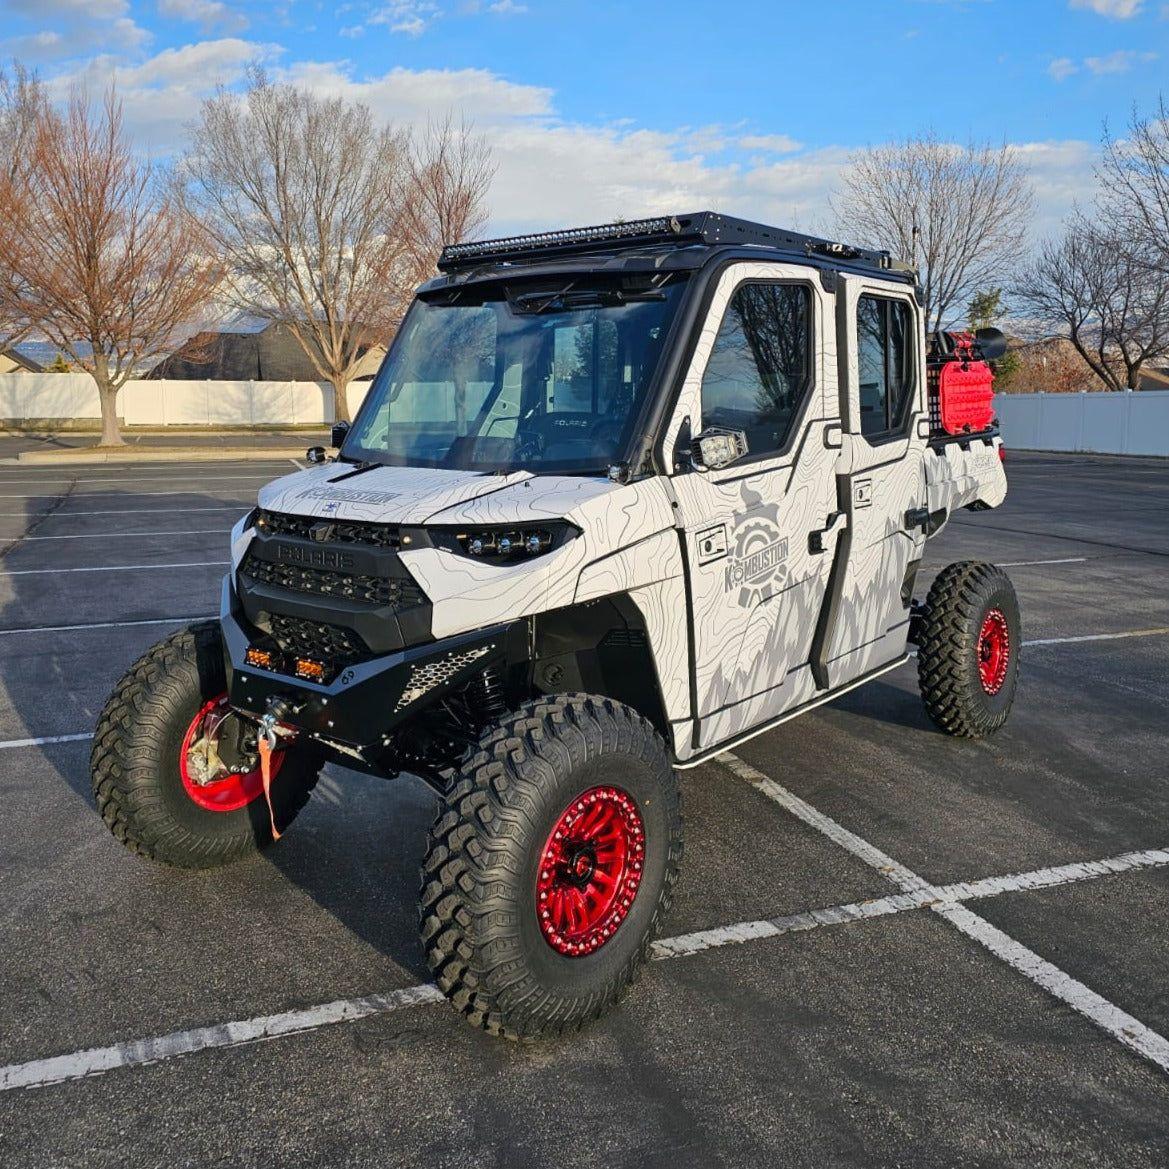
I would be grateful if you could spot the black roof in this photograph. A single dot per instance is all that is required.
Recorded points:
(700, 228)
(251, 351)
(20, 355)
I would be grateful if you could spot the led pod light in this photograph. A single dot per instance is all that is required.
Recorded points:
(504, 544)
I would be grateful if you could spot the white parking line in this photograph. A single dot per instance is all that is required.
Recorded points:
(123, 494)
(1157, 632)
(1107, 1016)
(238, 508)
(40, 1073)
(104, 625)
(113, 568)
(118, 479)
(45, 740)
(214, 563)
(108, 535)
(1028, 563)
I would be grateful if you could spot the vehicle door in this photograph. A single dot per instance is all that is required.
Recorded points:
(882, 483)
(757, 532)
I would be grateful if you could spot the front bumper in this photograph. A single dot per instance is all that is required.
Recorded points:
(358, 709)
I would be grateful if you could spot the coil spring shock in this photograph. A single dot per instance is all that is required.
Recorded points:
(487, 690)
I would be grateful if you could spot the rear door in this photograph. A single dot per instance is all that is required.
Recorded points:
(757, 556)
(882, 479)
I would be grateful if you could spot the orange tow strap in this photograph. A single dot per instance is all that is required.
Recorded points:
(263, 743)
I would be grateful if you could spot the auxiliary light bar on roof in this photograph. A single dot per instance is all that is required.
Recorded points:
(702, 227)
(663, 227)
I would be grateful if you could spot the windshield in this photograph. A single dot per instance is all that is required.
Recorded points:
(523, 378)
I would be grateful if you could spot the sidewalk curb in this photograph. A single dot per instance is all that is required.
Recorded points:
(159, 454)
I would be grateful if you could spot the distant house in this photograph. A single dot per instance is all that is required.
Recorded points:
(1154, 379)
(253, 351)
(13, 361)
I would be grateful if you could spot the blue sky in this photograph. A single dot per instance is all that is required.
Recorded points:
(604, 108)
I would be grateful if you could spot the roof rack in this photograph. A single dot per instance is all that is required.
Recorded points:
(700, 227)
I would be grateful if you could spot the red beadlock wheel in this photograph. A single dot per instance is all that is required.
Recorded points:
(589, 871)
(994, 651)
(223, 793)
(969, 638)
(545, 883)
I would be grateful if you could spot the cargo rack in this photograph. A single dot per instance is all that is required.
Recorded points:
(699, 227)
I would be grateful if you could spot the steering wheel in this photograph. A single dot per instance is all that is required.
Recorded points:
(529, 446)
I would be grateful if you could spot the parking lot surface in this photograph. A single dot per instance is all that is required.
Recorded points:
(842, 982)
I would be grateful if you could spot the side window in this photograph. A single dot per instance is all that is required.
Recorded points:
(884, 347)
(760, 366)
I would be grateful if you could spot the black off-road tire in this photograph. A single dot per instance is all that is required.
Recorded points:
(949, 628)
(479, 902)
(135, 761)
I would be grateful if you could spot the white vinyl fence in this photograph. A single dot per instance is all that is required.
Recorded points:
(1105, 423)
(1132, 423)
(72, 398)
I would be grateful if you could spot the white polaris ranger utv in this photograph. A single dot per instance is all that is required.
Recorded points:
(619, 498)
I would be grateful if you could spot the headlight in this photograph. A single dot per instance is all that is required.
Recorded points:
(504, 544)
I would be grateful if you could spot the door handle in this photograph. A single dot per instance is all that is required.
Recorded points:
(917, 517)
(817, 538)
(928, 521)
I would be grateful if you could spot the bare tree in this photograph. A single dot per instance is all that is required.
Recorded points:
(1113, 310)
(958, 213)
(325, 219)
(100, 261)
(1050, 365)
(1135, 174)
(449, 174)
(22, 103)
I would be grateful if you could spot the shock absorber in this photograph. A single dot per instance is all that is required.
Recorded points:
(487, 694)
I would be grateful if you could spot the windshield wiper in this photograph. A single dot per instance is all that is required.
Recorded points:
(360, 469)
(567, 299)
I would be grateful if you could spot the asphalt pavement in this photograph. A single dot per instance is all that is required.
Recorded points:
(842, 982)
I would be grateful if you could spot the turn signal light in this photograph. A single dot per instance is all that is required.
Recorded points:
(309, 670)
(260, 658)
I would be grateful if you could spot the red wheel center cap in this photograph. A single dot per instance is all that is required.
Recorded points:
(582, 866)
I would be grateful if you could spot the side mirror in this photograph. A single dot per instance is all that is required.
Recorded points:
(717, 447)
(337, 437)
(316, 454)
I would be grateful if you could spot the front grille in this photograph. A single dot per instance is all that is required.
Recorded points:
(277, 523)
(398, 592)
(330, 644)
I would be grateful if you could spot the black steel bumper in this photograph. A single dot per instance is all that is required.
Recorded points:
(359, 707)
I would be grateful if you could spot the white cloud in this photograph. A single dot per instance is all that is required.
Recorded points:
(1119, 62)
(507, 8)
(1114, 9)
(411, 96)
(410, 17)
(208, 14)
(86, 25)
(161, 95)
(197, 67)
(770, 143)
(551, 172)
(93, 10)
